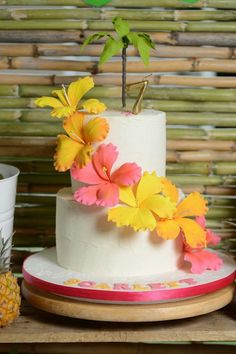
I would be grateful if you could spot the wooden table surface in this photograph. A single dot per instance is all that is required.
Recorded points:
(34, 326)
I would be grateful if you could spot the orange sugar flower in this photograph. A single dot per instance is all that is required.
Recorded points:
(193, 205)
(77, 145)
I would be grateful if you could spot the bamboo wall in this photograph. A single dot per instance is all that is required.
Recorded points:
(40, 50)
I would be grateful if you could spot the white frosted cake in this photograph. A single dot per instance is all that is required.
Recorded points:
(122, 217)
(86, 241)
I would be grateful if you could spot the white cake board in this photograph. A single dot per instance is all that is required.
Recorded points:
(42, 272)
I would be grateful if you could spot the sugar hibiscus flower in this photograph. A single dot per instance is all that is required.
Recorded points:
(68, 101)
(202, 259)
(104, 184)
(144, 204)
(193, 205)
(77, 146)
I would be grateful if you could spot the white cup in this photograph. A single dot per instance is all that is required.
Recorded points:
(7, 201)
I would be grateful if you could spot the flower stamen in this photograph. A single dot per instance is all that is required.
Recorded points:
(66, 96)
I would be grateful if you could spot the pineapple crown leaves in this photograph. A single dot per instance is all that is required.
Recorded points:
(141, 41)
(4, 248)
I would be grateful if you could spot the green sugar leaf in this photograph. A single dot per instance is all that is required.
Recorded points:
(95, 37)
(112, 47)
(144, 50)
(121, 26)
(143, 43)
(147, 39)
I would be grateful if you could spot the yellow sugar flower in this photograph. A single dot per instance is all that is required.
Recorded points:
(67, 101)
(193, 205)
(77, 146)
(143, 205)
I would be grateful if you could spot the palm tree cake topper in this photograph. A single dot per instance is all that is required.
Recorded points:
(124, 37)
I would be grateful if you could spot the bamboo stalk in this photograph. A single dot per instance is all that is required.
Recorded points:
(33, 211)
(52, 14)
(49, 142)
(4, 63)
(189, 118)
(115, 79)
(104, 14)
(221, 213)
(8, 79)
(224, 134)
(165, 105)
(194, 156)
(42, 24)
(29, 231)
(33, 242)
(174, 133)
(50, 178)
(48, 189)
(6, 116)
(25, 50)
(176, 38)
(27, 141)
(221, 202)
(34, 36)
(184, 94)
(231, 191)
(230, 4)
(45, 200)
(154, 79)
(196, 39)
(204, 190)
(15, 102)
(163, 15)
(211, 26)
(132, 66)
(183, 145)
(151, 93)
(8, 90)
(203, 168)
(36, 116)
(34, 129)
(24, 151)
(197, 180)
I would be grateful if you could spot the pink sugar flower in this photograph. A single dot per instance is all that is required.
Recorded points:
(104, 184)
(211, 237)
(202, 259)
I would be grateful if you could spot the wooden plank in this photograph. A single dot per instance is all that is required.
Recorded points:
(35, 326)
(115, 348)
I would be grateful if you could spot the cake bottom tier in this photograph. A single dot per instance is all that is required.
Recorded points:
(86, 242)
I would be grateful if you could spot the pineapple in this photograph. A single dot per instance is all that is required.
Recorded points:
(9, 289)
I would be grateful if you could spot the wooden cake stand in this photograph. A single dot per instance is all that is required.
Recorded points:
(128, 313)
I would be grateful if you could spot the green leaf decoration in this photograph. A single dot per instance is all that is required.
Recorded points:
(97, 3)
(143, 43)
(121, 26)
(147, 39)
(112, 47)
(95, 37)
